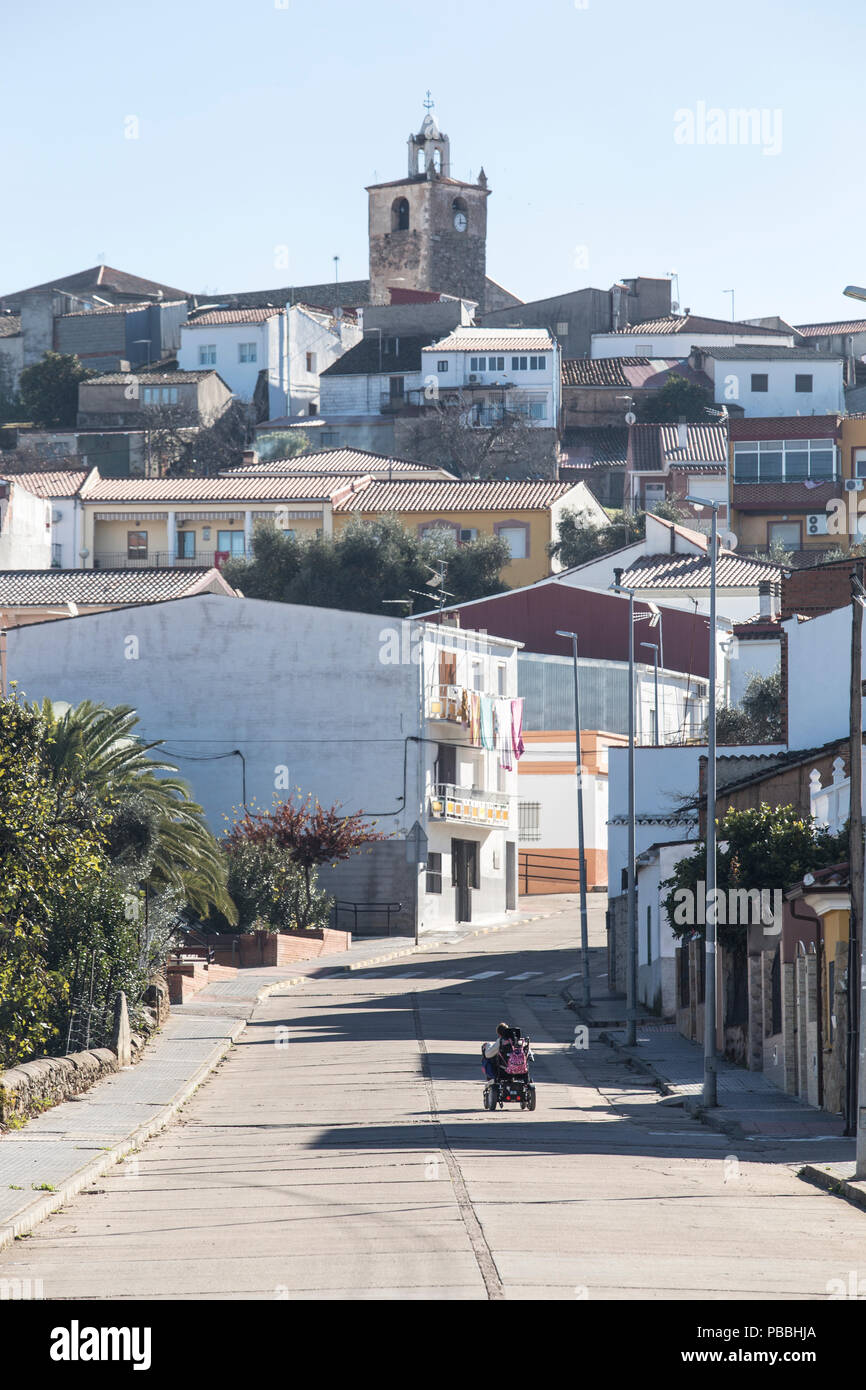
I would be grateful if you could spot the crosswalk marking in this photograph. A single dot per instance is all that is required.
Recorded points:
(485, 975)
(573, 976)
(527, 975)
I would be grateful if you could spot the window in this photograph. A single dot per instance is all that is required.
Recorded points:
(496, 364)
(786, 533)
(400, 215)
(473, 364)
(434, 873)
(311, 362)
(186, 545)
(247, 352)
(784, 460)
(477, 675)
(537, 364)
(313, 408)
(529, 820)
(519, 364)
(231, 542)
(445, 769)
(803, 382)
(395, 387)
(538, 410)
(136, 545)
(159, 395)
(760, 381)
(207, 355)
(468, 533)
(442, 367)
(501, 678)
(516, 539)
(330, 439)
(860, 463)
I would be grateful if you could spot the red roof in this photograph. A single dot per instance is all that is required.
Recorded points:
(784, 427)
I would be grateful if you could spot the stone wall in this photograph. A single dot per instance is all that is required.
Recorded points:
(617, 943)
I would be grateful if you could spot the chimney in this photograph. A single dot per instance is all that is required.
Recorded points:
(617, 575)
(765, 599)
(682, 435)
(250, 457)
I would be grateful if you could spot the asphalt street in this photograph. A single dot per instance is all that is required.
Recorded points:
(341, 1150)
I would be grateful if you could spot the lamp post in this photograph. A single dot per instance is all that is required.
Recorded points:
(710, 1091)
(581, 849)
(631, 951)
(653, 646)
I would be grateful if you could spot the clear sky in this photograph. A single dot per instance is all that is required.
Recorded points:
(259, 123)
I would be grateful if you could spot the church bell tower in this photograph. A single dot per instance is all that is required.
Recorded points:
(428, 231)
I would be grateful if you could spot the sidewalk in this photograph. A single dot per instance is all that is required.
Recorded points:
(750, 1106)
(64, 1150)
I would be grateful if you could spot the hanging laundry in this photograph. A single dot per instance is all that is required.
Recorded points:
(486, 722)
(502, 716)
(465, 709)
(517, 727)
(475, 720)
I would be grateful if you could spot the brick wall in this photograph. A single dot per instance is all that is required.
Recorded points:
(817, 590)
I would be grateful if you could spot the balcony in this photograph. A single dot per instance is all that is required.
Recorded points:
(469, 806)
(451, 703)
(160, 559)
(392, 404)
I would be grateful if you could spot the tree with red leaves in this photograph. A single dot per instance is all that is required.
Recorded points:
(311, 834)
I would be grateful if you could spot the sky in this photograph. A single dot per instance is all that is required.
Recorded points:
(225, 145)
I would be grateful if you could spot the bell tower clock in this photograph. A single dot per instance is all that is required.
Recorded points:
(428, 231)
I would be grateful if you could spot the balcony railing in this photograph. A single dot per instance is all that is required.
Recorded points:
(468, 805)
(164, 559)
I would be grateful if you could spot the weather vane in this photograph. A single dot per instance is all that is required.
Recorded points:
(428, 103)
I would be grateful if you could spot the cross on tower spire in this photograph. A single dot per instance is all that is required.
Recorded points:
(428, 102)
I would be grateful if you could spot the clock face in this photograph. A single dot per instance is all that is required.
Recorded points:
(460, 221)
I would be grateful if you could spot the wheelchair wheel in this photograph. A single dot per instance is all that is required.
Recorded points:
(531, 1098)
(493, 1097)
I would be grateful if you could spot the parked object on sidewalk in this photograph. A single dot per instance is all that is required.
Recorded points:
(506, 1065)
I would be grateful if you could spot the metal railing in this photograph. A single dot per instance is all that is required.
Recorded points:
(537, 867)
(360, 914)
(451, 702)
(469, 805)
(164, 559)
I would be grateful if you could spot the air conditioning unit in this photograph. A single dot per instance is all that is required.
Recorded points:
(816, 524)
(473, 378)
(56, 514)
(854, 484)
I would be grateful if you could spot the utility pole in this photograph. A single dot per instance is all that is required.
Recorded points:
(631, 939)
(581, 849)
(855, 862)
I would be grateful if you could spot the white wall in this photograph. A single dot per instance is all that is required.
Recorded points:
(755, 657)
(674, 345)
(733, 383)
(819, 663)
(240, 377)
(25, 530)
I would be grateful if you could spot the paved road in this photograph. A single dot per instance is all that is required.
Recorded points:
(341, 1150)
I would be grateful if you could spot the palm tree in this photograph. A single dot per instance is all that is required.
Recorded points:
(154, 824)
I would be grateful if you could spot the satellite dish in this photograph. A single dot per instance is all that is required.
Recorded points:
(729, 540)
(630, 417)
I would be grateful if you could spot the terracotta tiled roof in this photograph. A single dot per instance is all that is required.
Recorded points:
(125, 308)
(495, 340)
(441, 496)
(761, 497)
(151, 378)
(38, 588)
(784, 427)
(751, 352)
(57, 484)
(599, 371)
(704, 444)
(589, 445)
(104, 280)
(825, 330)
(271, 487)
(693, 323)
(333, 461)
(215, 317)
(693, 572)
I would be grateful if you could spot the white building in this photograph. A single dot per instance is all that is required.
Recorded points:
(25, 527)
(349, 707)
(497, 371)
(675, 334)
(272, 355)
(768, 380)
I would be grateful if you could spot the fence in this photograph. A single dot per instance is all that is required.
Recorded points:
(554, 871)
(365, 919)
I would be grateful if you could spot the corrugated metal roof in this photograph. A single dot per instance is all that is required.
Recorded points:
(693, 572)
(38, 588)
(459, 496)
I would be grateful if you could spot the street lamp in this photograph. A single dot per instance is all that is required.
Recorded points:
(710, 1091)
(653, 646)
(631, 951)
(581, 850)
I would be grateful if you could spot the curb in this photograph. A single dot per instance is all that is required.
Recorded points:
(423, 945)
(38, 1210)
(837, 1187)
